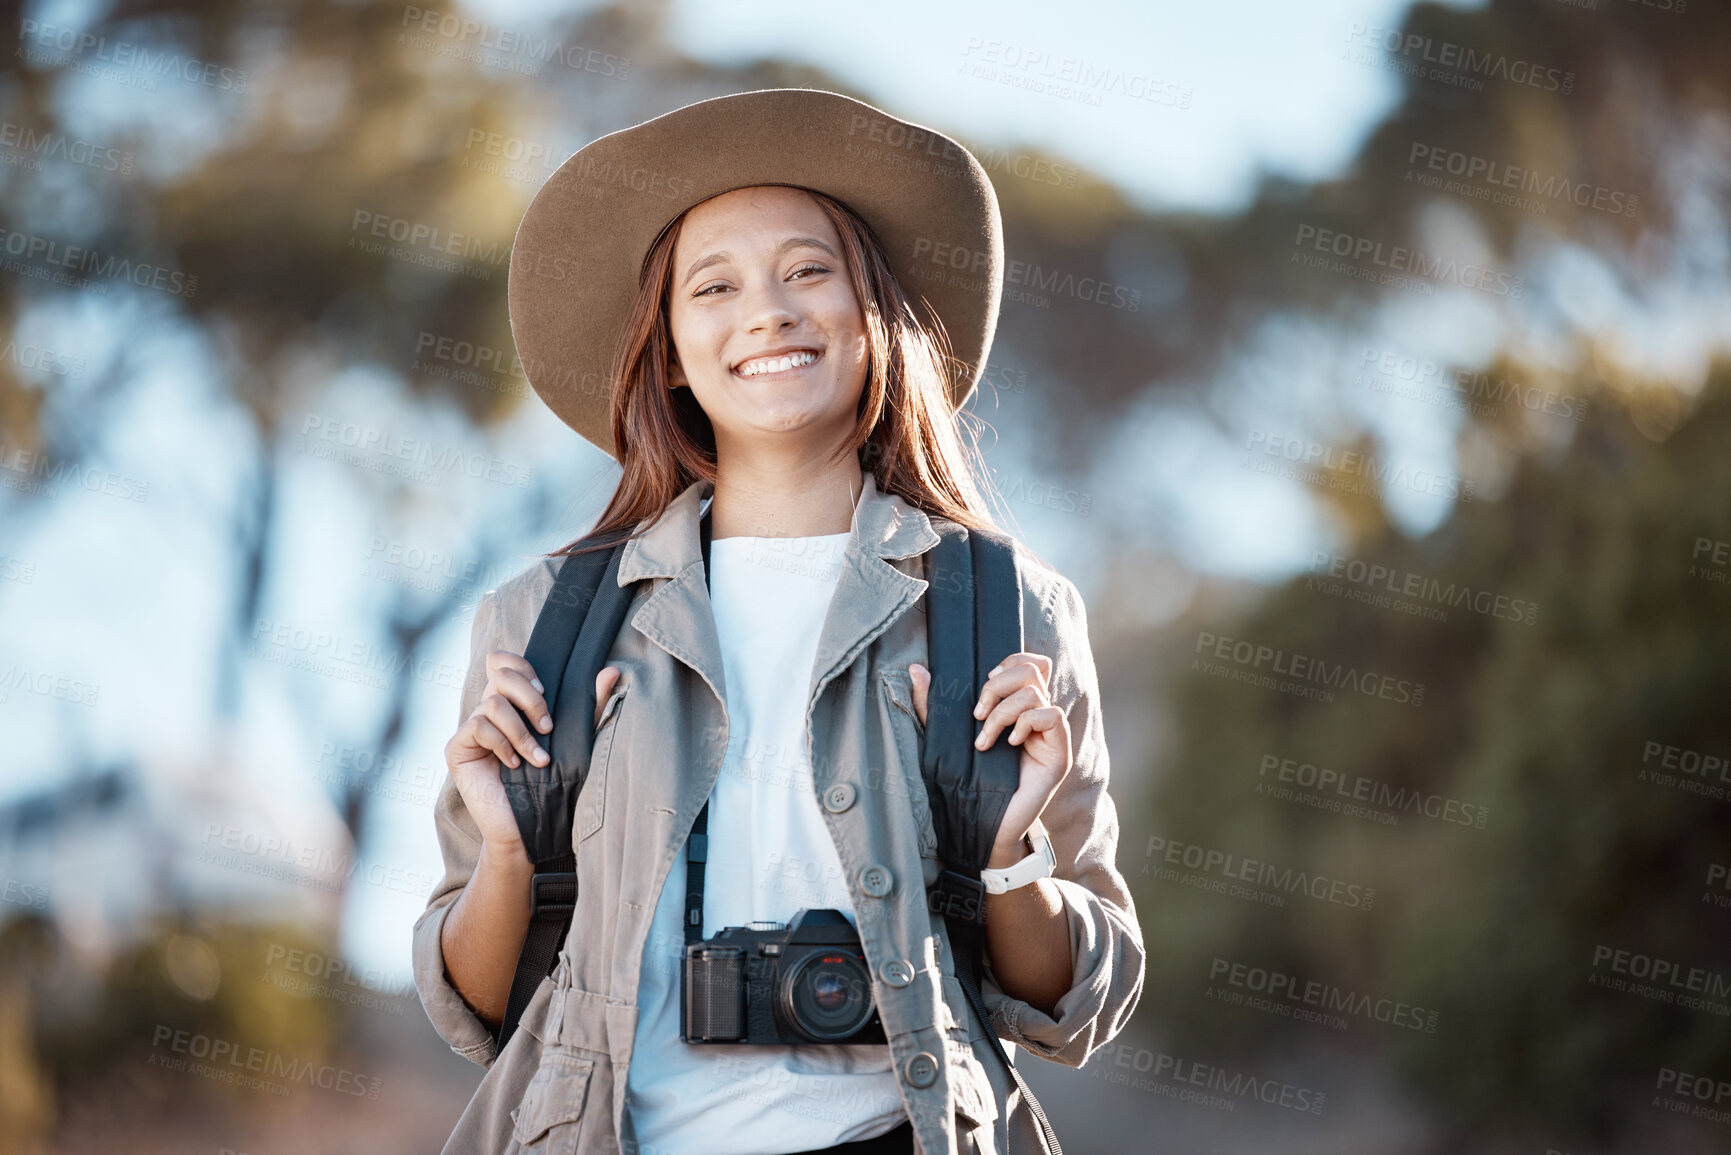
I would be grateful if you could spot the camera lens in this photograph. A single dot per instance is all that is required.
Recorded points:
(826, 996)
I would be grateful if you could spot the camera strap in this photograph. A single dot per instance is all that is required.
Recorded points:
(697, 846)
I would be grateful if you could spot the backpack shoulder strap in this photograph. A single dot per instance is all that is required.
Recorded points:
(567, 648)
(973, 621)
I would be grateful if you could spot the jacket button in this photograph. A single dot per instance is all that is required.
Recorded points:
(838, 797)
(876, 880)
(922, 1070)
(898, 972)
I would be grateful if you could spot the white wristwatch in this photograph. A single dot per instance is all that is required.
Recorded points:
(1040, 864)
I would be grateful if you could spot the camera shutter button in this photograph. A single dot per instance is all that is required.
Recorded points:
(876, 880)
(838, 797)
(898, 972)
(922, 1069)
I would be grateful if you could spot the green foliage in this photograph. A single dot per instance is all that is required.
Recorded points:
(1545, 724)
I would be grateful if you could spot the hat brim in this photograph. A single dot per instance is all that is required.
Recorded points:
(578, 252)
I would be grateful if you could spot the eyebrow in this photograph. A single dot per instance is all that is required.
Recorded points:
(717, 258)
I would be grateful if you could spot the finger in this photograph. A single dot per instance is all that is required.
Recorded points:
(1011, 674)
(1038, 720)
(498, 710)
(922, 679)
(604, 683)
(1005, 713)
(515, 678)
(489, 738)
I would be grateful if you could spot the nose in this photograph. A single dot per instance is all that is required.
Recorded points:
(768, 309)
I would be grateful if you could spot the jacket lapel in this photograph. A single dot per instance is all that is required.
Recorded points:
(871, 593)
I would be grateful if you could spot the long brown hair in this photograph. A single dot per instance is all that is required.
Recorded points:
(905, 432)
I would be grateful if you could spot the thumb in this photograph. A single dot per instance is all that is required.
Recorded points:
(604, 683)
(922, 679)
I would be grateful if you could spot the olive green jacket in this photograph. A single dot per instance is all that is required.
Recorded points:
(657, 752)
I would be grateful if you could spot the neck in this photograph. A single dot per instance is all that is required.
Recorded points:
(758, 498)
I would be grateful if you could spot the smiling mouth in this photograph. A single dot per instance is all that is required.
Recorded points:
(776, 366)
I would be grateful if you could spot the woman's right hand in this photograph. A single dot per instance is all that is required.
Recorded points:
(495, 736)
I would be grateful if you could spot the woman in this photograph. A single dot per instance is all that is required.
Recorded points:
(772, 363)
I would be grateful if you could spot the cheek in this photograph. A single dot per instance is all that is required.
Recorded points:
(695, 334)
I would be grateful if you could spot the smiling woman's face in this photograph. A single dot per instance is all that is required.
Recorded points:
(768, 330)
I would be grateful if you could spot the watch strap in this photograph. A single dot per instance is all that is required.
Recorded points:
(1040, 864)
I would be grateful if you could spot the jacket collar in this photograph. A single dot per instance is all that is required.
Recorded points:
(884, 525)
(870, 593)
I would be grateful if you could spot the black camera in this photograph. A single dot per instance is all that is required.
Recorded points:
(765, 982)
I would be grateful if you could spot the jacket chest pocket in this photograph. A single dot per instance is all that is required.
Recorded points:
(548, 1118)
(592, 802)
(897, 693)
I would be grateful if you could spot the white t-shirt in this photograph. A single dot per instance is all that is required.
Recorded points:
(769, 855)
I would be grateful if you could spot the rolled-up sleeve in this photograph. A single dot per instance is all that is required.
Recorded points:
(460, 843)
(1106, 948)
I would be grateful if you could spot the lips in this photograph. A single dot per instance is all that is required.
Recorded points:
(777, 361)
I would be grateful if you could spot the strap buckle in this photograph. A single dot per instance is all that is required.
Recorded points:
(955, 895)
(552, 892)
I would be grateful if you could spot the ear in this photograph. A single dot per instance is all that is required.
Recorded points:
(676, 374)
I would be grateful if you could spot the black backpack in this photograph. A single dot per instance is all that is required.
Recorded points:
(968, 789)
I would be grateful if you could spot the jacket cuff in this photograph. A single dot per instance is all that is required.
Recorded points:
(1107, 964)
(456, 1023)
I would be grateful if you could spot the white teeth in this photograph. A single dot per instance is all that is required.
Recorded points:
(775, 364)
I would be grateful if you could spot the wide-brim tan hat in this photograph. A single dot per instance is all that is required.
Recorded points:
(580, 248)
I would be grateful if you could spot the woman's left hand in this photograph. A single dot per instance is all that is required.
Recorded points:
(1015, 697)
